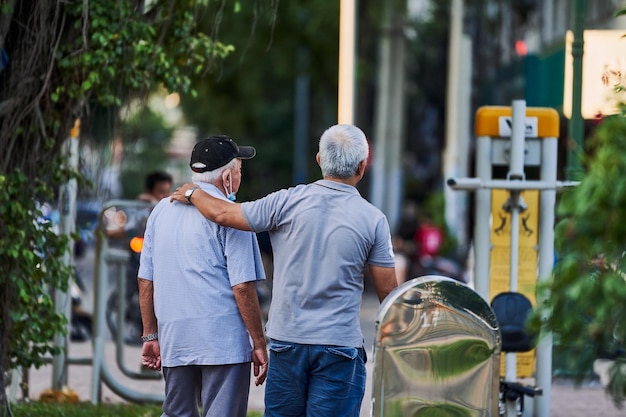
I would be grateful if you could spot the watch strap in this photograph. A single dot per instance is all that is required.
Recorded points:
(150, 337)
(189, 193)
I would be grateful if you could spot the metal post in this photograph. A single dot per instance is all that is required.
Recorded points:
(395, 116)
(576, 125)
(482, 229)
(378, 186)
(455, 107)
(100, 290)
(547, 202)
(454, 161)
(518, 132)
(516, 172)
(301, 117)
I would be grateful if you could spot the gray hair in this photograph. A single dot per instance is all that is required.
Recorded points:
(211, 177)
(342, 148)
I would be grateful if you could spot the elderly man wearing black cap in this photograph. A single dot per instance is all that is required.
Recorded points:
(198, 299)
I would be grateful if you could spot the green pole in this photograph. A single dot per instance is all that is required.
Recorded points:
(576, 123)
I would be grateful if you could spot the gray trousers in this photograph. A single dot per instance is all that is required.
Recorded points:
(220, 390)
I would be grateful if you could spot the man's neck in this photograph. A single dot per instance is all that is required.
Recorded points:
(353, 181)
(218, 184)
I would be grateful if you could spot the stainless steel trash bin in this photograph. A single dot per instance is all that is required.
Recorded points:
(437, 352)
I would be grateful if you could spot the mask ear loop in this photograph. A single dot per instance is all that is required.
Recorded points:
(230, 195)
(230, 180)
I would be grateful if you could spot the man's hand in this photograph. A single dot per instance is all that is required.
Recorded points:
(179, 194)
(259, 358)
(151, 355)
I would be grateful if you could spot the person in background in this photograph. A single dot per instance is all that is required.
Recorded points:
(158, 185)
(198, 298)
(323, 235)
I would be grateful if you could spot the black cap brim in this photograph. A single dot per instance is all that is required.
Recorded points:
(246, 152)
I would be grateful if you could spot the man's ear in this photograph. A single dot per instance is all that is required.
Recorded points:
(317, 158)
(360, 169)
(225, 176)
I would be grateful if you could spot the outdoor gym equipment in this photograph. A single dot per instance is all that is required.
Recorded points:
(112, 257)
(437, 351)
(439, 343)
(518, 137)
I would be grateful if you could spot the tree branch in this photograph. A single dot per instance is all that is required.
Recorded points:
(167, 23)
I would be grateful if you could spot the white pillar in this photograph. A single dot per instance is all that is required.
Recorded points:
(347, 30)
(454, 102)
(67, 226)
(386, 186)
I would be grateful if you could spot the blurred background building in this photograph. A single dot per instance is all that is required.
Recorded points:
(422, 69)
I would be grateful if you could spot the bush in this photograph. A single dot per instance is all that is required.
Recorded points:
(584, 303)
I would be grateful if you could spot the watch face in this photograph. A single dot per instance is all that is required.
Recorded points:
(188, 192)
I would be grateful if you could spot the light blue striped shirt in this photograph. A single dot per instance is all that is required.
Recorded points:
(194, 264)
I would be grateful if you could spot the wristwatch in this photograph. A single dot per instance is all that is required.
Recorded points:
(189, 192)
(150, 337)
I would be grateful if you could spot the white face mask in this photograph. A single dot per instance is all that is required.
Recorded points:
(230, 195)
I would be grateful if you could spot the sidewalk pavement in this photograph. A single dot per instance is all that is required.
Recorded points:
(566, 400)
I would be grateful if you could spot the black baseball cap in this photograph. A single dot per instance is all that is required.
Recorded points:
(216, 151)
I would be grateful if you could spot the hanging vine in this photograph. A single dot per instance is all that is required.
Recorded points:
(56, 59)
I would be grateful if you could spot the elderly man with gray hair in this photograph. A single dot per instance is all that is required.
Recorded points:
(324, 235)
(198, 298)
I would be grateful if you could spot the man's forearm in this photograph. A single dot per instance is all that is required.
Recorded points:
(219, 211)
(146, 306)
(248, 304)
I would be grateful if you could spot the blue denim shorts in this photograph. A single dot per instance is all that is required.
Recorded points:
(314, 380)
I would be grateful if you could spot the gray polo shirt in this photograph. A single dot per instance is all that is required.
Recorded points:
(323, 234)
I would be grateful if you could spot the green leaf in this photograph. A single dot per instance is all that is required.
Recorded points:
(620, 12)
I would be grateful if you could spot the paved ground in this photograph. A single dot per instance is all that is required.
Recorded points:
(566, 399)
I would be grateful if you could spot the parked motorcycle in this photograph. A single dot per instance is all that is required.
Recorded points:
(124, 226)
(132, 314)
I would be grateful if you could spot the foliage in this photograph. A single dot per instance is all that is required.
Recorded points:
(39, 409)
(145, 136)
(32, 252)
(63, 58)
(586, 301)
(585, 304)
(140, 48)
(253, 97)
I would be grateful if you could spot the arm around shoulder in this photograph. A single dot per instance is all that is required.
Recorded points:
(219, 211)
(215, 209)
